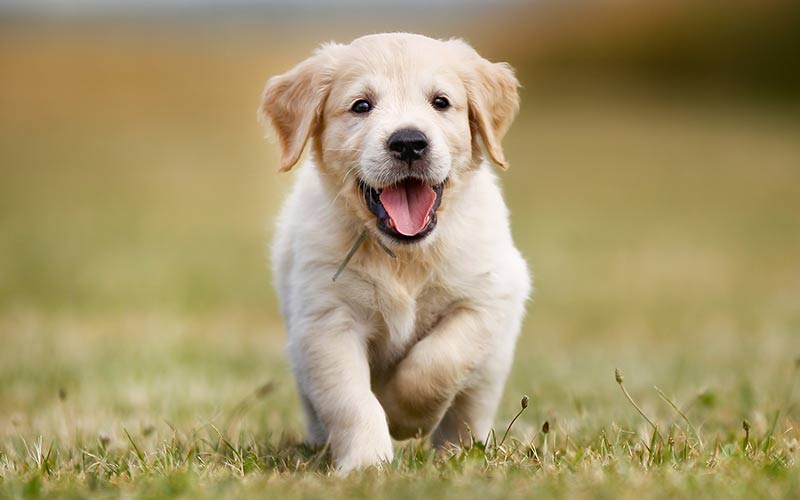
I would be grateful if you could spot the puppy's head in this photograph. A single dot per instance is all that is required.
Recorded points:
(394, 120)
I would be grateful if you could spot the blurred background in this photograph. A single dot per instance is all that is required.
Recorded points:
(654, 189)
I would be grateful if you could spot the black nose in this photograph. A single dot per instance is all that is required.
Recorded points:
(408, 144)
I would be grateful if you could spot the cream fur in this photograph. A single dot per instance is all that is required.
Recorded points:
(422, 343)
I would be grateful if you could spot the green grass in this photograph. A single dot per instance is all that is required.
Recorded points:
(141, 353)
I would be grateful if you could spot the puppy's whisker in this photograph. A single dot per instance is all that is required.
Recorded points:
(349, 171)
(338, 194)
(386, 178)
(344, 149)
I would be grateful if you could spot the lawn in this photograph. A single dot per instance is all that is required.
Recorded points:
(141, 351)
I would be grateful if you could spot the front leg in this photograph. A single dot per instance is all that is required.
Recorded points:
(434, 371)
(331, 364)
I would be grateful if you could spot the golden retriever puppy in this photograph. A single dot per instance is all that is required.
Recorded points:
(417, 333)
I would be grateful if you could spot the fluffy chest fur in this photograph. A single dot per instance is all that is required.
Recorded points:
(404, 309)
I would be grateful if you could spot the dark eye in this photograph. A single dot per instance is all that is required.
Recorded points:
(440, 102)
(361, 106)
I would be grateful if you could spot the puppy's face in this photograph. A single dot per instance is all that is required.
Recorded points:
(395, 120)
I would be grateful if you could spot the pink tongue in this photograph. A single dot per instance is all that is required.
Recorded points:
(408, 205)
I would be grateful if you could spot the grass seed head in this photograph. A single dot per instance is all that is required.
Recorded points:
(524, 402)
(746, 425)
(618, 376)
(546, 427)
(104, 439)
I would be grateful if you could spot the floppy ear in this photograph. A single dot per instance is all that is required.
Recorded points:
(292, 104)
(493, 103)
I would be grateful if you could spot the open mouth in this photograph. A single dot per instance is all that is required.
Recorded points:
(405, 211)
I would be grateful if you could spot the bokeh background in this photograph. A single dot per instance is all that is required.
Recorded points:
(654, 189)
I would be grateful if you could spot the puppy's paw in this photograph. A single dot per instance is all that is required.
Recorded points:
(367, 454)
(365, 445)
